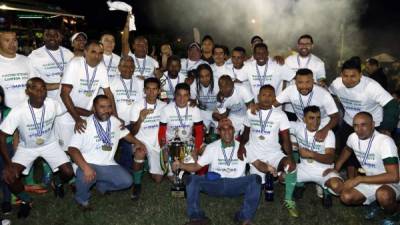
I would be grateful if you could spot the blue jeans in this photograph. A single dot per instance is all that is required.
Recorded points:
(108, 178)
(4, 187)
(250, 186)
(126, 156)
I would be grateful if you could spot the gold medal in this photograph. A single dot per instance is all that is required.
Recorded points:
(106, 147)
(39, 141)
(88, 94)
(261, 137)
(184, 132)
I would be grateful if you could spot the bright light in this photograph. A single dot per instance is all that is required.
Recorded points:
(253, 21)
(4, 6)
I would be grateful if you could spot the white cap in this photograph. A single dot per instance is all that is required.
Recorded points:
(76, 35)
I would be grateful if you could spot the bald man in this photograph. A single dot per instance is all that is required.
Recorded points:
(377, 154)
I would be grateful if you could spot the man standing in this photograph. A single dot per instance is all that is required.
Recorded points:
(110, 59)
(50, 60)
(207, 46)
(171, 78)
(193, 59)
(83, 78)
(94, 150)
(219, 67)
(377, 154)
(34, 119)
(375, 72)
(78, 42)
(15, 69)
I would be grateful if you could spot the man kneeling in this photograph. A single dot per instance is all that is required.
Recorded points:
(94, 149)
(228, 178)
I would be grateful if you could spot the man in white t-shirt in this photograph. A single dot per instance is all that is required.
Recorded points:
(315, 156)
(83, 77)
(145, 118)
(171, 78)
(78, 42)
(15, 69)
(305, 59)
(235, 69)
(219, 67)
(193, 59)
(34, 119)
(263, 71)
(181, 120)
(145, 65)
(110, 59)
(94, 149)
(49, 61)
(378, 155)
(126, 89)
(360, 93)
(233, 102)
(226, 177)
(260, 141)
(304, 93)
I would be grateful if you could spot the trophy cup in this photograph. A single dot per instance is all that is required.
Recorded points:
(177, 151)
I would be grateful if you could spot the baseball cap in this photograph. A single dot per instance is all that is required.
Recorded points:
(77, 34)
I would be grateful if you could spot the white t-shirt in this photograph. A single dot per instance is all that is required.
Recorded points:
(144, 66)
(236, 103)
(14, 73)
(312, 62)
(218, 71)
(305, 139)
(274, 75)
(148, 131)
(168, 85)
(90, 145)
(50, 65)
(318, 97)
(367, 96)
(171, 118)
(382, 147)
(111, 63)
(276, 122)
(134, 88)
(206, 99)
(235, 73)
(75, 75)
(228, 166)
(20, 118)
(187, 65)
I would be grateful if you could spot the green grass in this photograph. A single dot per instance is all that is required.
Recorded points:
(157, 207)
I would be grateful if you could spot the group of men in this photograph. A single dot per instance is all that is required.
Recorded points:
(76, 109)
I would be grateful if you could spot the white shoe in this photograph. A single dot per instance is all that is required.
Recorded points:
(320, 191)
(5, 222)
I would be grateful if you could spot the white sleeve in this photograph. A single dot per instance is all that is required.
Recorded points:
(196, 115)
(70, 75)
(134, 113)
(77, 141)
(104, 82)
(155, 64)
(332, 88)
(206, 157)
(246, 95)
(11, 122)
(245, 75)
(284, 122)
(350, 140)
(283, 97)
(388, 148)
(380, 95)
(34, 70)
(246, 121)
(330, 140)
(58, 108)
(164, 115)
(320, 73)
(329, 104)
(285, 72)
(193, 90)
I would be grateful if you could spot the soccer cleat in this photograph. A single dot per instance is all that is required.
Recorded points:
(371, 211)
(291, 206)
(24, 209)
(6, 208)
(319, 190)
(327, 200)
(136, 190)
(58, 191)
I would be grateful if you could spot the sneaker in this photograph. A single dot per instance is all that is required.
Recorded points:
(59, 191)
(371, 211)
(6, 208)
(298, 192)
(391, 220)
(24, 209)
(5, 222)
(291, 206)
(320, 191)
(201, 221)
(137, 188)
(327, 200)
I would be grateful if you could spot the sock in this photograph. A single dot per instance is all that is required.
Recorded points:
(24, 196)
(137, 176)
(290, 184)
(47, 172)
(29, 178)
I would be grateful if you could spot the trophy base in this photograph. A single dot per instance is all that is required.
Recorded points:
(178, 192)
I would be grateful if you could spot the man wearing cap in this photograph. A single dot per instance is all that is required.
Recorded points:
(49, 61)
(78, 42)
(226, 177)
(194, 58)
(145, 65)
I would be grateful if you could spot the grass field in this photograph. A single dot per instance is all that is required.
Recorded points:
(157, 207)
